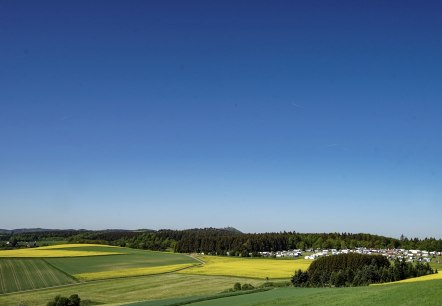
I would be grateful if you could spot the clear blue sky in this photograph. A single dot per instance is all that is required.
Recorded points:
(312, 116)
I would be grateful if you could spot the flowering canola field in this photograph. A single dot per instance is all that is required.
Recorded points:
(64, 250)
(417, 279)
(248, 267)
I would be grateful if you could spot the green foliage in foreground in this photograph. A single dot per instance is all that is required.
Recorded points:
(193, 300)
(422, 293)
(354, 269)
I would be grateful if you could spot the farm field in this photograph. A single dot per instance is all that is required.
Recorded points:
(260, 268)
(127, 290)
(62, 251)
(131, 272)
(27, 274)
(436, 276)
(416, 279)
(123, 259)
(65, 264)
(422, 293)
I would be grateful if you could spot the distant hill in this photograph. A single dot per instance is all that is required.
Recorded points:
(232, 229)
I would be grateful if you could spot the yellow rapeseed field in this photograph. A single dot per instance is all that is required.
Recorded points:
(248, 267)
(131, 272)
(417, 279)
(53, 251)
(75, 245)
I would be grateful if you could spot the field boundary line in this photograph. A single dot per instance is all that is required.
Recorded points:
(196, 258)
(58, 269)
(53, 276)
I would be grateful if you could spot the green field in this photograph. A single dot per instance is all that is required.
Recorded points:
(126, 290)
(124, 259)
(28, 274)
(422, 293)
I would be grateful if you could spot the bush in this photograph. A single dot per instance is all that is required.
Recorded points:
(73, 300)
(237, 287)
(247, 287)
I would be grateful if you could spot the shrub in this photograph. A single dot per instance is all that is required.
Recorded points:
(73, 300)
(237, 287)
(247, 287)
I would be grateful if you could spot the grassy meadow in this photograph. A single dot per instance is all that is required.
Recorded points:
(126, 290)
(421, 293)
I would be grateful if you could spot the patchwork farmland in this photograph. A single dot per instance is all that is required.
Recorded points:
(28, 269)
(117, 276)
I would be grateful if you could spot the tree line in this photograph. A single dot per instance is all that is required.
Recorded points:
(228, 241)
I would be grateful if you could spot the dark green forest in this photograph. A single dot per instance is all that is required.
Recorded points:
(222, 241)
